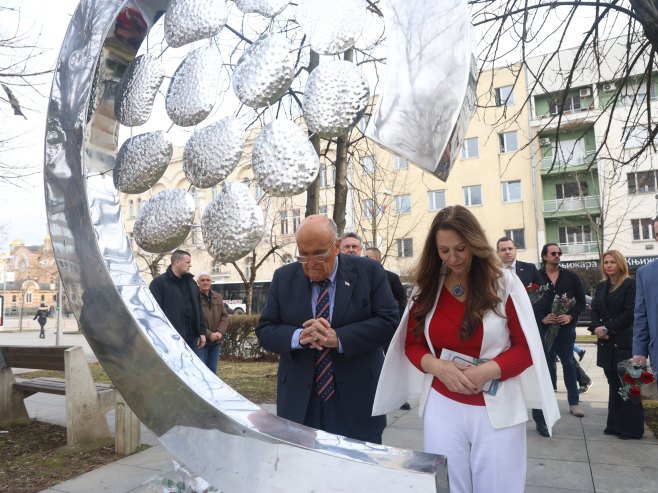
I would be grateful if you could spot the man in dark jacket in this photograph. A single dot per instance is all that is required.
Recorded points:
(178, 296)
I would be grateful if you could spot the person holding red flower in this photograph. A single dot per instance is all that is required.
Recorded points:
(612, 322)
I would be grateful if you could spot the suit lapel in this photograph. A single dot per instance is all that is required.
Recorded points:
(301, 289)
(345, 280)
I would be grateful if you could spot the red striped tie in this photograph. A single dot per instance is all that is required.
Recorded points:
(324, 372)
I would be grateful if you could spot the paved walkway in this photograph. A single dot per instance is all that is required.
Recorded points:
(578, 458)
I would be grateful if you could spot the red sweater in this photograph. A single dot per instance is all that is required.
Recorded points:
(444, 333)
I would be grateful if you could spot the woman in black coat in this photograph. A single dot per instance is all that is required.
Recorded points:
(42, 316)
(612, 322)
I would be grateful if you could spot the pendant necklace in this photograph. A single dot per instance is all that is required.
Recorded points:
(458, 289)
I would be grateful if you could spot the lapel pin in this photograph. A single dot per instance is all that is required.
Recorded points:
(347, 283)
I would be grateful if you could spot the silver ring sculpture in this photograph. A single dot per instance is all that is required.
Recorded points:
(219, 434)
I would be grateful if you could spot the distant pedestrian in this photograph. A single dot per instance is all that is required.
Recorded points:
(42, 317)
(216, 317)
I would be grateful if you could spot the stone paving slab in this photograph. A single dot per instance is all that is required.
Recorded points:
(625, 479)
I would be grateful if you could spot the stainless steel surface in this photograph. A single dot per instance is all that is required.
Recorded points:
(332, 26)
(266, 8)
(187, 21)
(195, 415)
(264, 72)
(141, 162)
(233, 223)
(137, 90)
(429, 93)
(193, 89)
(211, 153)
(283, 158)
(335, 98)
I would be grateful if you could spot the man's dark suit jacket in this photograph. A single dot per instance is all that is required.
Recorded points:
(528, 273)
(365, 318)
(399, 293)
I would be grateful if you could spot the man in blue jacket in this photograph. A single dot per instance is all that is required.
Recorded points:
(645, 327)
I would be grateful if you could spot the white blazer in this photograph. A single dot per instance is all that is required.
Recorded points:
(401, 381)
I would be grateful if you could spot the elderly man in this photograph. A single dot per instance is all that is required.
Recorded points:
(178, 296)
(328, 315)
(645, 327)
(350, 244)
(216, 318)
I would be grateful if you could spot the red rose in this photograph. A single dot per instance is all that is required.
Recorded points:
(628, 379)
(646, 377)
(635, 391)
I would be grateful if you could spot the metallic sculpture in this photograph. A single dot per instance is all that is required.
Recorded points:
(165, 221)
(332, 26)
(137, 90)
(141, 162)
(410, 118)
(192, 411)
(187, 21)
(266, 8)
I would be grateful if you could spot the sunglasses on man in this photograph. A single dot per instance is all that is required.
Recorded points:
(556, 254)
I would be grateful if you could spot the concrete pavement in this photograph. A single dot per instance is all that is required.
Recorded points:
(578, 458)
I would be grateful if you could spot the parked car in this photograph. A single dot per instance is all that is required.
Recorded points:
(236, 307)
(585, 317)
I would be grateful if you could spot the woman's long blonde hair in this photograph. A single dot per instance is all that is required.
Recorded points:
(623, 267)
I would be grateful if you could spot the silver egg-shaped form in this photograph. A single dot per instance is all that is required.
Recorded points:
(187, 21)
(264, 72)
(266, 8)
(141, 161)
(137, 90)
(211, 153)
(164, 221)
(194, 87)
(331, 26)
(284, 160)
(233, 224)
(335, 98)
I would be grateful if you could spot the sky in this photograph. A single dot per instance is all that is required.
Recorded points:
(22, 208)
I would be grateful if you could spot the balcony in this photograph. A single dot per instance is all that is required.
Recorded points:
(579, 248)
(575, 163)
(572, 205)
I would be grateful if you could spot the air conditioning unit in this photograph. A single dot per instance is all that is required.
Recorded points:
(585, 92)
(609, 87)
(545, 141)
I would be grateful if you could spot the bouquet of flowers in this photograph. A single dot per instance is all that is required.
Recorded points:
(536, 291)
(633, 377)
(560, 306)
(178, 481)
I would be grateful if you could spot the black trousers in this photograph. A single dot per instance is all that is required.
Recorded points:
(625, 418)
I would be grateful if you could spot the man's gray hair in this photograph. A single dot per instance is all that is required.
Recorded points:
(351, 235)
(199, 276)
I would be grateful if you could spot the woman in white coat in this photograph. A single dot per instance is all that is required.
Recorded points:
(470, 330)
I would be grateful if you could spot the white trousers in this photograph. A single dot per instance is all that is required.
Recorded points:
(480, 458)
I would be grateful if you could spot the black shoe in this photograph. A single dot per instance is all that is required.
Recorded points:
(628, 437)
(581, 354)
(609, 432)
(542, 430)
(405, 406)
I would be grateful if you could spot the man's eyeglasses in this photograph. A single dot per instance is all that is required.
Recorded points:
(307, 259)
(556, 254)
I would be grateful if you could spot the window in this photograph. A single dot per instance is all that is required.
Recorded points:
(636, 93)
(575, 234)
(400, 163)
(642, 229)
(214, 192)
(367, 165)
(505, 96)
(131, 209)
(642, 182)
(518, 235)
(283, 215)
(322, 176)
(217, 268)
(508, 142)
(324, 210)
(473, 195)
(573, 189)
(403, 204)
(367, 208)
(13, 298)
(637, 137)
(259, 191)
(470, 148)
(437, 199)
(28, 297)
(571, 151)
(140, 204)
(511, 191)
(363, 123)
(54, 298)
(572, 103)
(43, 297)
(405, 247)
(296, 219)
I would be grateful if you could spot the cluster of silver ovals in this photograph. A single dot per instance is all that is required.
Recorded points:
(165, 221)
(194, 87)
(187, 21)
(233, 224)
(335, 98)
(266, 8)
(141, 161)
(332, 26)
(264, 72)
(283, 159)
(213, 152)
(137, 90)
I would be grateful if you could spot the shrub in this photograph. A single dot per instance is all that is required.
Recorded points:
(240, 340)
